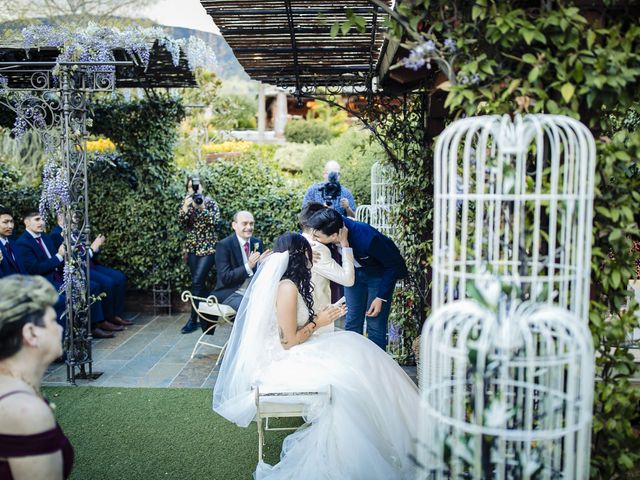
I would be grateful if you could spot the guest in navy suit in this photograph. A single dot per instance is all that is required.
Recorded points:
(379, 265)
(112, 282)
(9, 260)
(237, 257)
(39, 257)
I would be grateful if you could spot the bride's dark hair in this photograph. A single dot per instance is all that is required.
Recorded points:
(298, 270)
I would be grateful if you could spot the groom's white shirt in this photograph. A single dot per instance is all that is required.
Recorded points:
(325, 270)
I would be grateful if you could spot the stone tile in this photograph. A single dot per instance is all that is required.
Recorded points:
(191, 376)
(132, 346)
(163, 375)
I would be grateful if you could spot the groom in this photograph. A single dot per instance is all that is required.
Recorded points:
(379, 265)
(237, 257)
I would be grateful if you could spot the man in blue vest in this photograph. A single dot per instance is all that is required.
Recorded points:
(379, 265)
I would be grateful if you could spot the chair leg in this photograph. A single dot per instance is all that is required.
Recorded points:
(224, 347)
(193, 353)
(260, 439)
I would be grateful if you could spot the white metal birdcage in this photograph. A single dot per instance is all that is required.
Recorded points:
(505, 396)
(383, 191)
(383, 197)
(515, 197)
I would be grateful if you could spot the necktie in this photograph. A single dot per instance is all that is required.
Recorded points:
(246, 249)
(39, 240)
(11, 257)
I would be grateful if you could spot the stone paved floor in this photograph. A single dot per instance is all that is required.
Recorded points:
(153, 353)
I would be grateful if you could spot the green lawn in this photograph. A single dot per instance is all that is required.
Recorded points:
(148, 434)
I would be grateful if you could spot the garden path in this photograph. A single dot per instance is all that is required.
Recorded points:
(153, 353)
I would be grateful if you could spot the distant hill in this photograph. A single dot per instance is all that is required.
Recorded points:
(227, 66)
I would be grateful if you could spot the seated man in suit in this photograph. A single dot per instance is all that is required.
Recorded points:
(9, 261)
(237, 257)
(39, 257)
(379, 265)
(112, 282)
(326, 270)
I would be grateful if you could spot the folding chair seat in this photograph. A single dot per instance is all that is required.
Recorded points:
(211, 313)
(281, 404)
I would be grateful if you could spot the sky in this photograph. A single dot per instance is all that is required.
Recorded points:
(181, 13)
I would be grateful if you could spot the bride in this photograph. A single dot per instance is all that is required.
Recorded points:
(367, 431)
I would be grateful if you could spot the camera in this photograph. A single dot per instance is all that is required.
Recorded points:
(331, 189)
(197, 197)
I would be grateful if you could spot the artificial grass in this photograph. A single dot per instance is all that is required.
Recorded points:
(154, 433)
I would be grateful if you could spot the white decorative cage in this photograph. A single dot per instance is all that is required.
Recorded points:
(515, 197)
(505, 396)
(383, 197)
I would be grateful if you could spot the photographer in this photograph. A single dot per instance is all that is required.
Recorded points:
(199, 215)
(331, 193)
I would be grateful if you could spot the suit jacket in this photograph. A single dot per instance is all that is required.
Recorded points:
(8, 267)
(377, 254)
(231, 273)
(35, 261)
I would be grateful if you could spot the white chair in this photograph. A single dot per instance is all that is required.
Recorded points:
(221, 313)
(281, 404)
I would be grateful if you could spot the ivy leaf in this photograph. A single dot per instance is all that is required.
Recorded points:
(567, 91)
(477, 12)
(528, 36)
(529, 58)
(591, 38)
(360, 22)
(346, 26)
(533, 74)
(335, 28)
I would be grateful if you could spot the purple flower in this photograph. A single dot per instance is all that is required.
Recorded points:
(450, 44)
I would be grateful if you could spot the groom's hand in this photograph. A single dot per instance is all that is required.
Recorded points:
(375, 308)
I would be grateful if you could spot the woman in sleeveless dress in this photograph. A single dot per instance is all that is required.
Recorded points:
(32, 444)
(367, 430)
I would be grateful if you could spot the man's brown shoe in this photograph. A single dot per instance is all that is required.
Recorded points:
(121, 321)
(99, 333)
(110, 327)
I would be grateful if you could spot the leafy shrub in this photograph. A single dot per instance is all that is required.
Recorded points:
(134, 196)
(291, 156)
(307, 131)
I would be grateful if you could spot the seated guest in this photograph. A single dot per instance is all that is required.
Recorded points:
(32, 444)
(35, 251)
(112, 282)
(9, 261)
(237, 257)
(326, 270)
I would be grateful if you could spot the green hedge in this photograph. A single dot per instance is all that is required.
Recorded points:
(134, 196)
(307, 131)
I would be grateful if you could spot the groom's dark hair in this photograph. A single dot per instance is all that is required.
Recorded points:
(328, 221)
(307, 212)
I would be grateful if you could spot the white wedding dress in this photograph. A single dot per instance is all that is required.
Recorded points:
(368, 429)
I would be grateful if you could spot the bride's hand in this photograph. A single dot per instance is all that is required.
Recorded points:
(330, 314)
